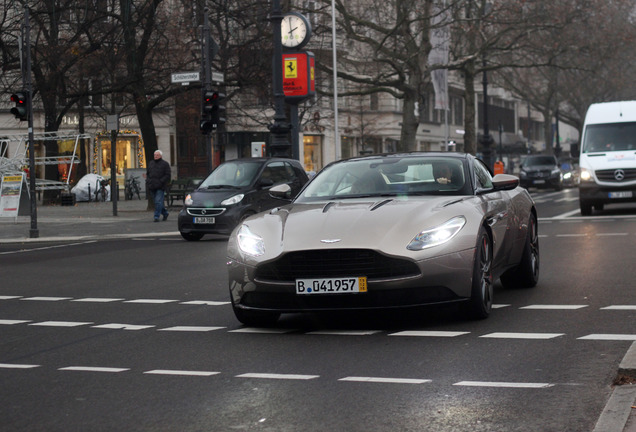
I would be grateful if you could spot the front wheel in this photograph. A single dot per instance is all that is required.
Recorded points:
(482, 286)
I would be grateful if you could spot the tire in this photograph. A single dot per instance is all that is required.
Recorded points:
(586, 208)
(191, 236)
(482, 285)
(526, 273)
(255, 318)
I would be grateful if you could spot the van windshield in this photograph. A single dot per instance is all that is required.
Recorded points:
(609, 137)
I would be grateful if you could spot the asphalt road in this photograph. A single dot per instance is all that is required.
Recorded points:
(136, 334)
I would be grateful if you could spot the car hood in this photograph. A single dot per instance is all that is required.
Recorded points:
(212, 197)
(534, 168)
(387, 225)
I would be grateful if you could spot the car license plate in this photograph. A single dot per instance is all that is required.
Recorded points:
(623, 194)
(539, 181)
(332, 286)
(203, 220)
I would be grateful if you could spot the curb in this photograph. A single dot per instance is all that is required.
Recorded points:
(87, 237)
(619, 408)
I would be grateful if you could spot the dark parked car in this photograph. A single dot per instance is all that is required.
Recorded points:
(541, 171)
(235, 190)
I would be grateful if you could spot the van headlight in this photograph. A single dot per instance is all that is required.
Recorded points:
(586, 175)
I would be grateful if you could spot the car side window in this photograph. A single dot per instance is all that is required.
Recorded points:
(279, 172)
(482, 176)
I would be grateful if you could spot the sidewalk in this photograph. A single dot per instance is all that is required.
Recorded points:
(88, 220)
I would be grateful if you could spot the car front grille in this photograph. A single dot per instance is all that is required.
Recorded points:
(335, 263)
(611, 175)
(197, 211)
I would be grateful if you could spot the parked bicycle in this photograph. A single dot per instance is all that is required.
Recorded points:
(132, 188)
(101, 193)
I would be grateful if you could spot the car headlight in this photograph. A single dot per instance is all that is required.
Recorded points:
(188, 200)
(567, 176)
(249, 242)
(438, 235)
(586, 175)
(232, 200)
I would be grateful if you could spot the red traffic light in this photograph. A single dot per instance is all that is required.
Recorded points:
(20, 109)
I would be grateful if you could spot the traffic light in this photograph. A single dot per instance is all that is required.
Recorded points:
(213, 112)
(20, 108)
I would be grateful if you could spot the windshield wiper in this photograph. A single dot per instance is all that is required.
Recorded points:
(222, 187)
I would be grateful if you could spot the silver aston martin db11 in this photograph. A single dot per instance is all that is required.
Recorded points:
(386, 231)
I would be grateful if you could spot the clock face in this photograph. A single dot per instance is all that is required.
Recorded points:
(294, 30)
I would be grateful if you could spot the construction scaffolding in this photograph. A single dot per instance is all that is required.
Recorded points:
(19, 162)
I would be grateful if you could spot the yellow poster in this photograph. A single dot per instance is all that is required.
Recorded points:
(291, 68)
(10, 188)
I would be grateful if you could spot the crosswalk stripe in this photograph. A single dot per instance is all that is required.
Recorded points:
(190, 328)
(93, 369)
(60, 323)
(123, 326)
(180, 372)
(503, 384)
(426, 333)
(278, 376)
(610, 337)
(507, 335)
(553, 307)
(385, 380)
(17, 366)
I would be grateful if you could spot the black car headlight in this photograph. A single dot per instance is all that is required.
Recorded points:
(188, 200)
(232, 200)
(438, 235)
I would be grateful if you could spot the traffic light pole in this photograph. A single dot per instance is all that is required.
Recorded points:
(33, 232)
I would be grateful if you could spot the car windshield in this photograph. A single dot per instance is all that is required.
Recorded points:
(232, 174)
(539, 160)
(375, 177)
(609, 137)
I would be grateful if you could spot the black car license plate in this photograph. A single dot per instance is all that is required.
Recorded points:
(203, 220)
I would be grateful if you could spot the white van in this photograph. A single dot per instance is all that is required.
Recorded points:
(608, 156)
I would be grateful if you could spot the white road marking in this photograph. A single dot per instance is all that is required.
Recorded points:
(60, 323)
(190, 328)
(45, 248)
(571, 235)
(610, 337)
(278, 376)
(553, 307)
(17, 366)
(344, 332)
(507, 335)
(385, 380)
(262, 330)
(503, 384)
(9, 297)
(115, 326)
(151, 301)
(12, 322)
(46, 298)
(204, 302)
(620, 307)
(181, 372)
(499, 306)
(98, 300)
(611, 234)
(425, 333)
(93, 369)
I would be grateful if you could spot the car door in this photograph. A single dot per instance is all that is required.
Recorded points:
(276, 173)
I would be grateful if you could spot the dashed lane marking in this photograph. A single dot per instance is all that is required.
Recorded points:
(553, 307)
(610, 337)
(46, 298)
(13, 322)
(427, 333)
(151, 301)
(60, 324)
(344, 332)
(510, 335)
(180, 372)
(620, 307)
(278, 376)
(385, 380)
(123, 326)
(526, 385)
(205, 302)
(262, 330)
(17, 366)
(98, 300)
(190, 329)
(93, 369)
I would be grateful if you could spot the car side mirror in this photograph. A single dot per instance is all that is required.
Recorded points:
(505, 182)
(281, 191)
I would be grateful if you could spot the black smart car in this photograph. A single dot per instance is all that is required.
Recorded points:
(235, 190)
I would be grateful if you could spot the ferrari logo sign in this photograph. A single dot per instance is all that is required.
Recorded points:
(291, 68)
(298, 76)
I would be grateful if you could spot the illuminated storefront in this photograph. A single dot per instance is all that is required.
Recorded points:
(312, 145)
(130, 154)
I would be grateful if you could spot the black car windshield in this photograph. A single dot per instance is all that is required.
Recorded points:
(539, 160)
(378, 177)
(232, 174)
(609, 137)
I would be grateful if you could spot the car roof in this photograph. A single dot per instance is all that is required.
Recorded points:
(462, 156)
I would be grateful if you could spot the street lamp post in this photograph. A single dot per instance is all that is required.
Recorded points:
(486, 140)
(280, 128)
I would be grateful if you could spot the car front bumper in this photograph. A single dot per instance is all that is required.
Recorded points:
(440, 280)
(593, 193)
